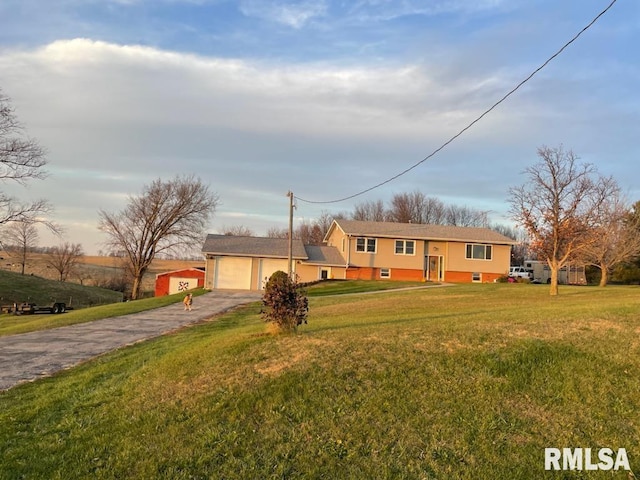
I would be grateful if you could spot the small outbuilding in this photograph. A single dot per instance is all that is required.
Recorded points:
(178, 281)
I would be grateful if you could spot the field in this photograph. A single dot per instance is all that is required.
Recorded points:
(464, 382)
(92, 270)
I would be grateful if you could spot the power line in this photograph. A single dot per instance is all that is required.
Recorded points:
(486, 112)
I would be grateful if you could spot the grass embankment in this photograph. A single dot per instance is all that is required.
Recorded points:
(468, 382)
(14, 324)
(41, 291)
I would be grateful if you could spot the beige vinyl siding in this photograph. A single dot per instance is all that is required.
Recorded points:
(386, 257)
(457, 261)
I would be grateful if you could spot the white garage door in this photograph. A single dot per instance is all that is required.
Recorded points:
(233, 273)
(267, 267)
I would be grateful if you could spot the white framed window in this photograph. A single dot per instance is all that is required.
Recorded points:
(405, 247)
(367, 245)
(477, 251)
(385, 273)
(476, 277)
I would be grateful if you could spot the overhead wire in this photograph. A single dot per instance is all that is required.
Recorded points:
(486, 112)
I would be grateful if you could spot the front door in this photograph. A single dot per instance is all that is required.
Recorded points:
(434, 268)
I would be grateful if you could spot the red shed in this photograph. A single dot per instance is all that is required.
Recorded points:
(179, 281)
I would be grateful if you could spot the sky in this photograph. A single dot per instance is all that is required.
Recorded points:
(324, 98)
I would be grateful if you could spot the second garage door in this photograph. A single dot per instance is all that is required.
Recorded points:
(267, 268)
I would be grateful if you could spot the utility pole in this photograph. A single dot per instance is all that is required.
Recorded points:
(290, 257)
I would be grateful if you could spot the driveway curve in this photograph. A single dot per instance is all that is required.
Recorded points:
(29, 356)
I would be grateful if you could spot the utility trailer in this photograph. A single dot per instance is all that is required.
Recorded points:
(569, 274)
(27, 308)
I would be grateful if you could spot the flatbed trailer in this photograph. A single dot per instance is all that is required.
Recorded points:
(26, 308)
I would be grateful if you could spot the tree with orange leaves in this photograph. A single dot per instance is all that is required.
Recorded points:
(559, 206)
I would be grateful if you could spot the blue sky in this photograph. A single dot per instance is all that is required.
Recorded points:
(325, 98)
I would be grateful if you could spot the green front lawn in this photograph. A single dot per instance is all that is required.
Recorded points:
(464, 382)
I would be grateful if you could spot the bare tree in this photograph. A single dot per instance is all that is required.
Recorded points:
(558, 207)
(465, 217)
(21, 159)
(18, 240)
(407, 207)
(416, 207)
(309, 233)
(237, 230)
(615, 237)
(167, 216)
(64, 259)
(434, 211)
(369, 211)
(325, 220)
(275, 232)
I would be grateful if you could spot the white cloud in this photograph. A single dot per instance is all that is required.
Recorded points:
(292, 14)
(115, 117)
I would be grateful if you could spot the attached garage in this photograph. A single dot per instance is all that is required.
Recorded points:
(242, 263)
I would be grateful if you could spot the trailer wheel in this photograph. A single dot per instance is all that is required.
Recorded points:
(59, 307)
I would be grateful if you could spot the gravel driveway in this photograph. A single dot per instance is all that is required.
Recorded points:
(29, 356)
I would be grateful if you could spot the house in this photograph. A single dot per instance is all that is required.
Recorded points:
(406, 251)
(361, 250)
(177, 281)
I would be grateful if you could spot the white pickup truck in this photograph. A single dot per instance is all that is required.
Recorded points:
(520, 272)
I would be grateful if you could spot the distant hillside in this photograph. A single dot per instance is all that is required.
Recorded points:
(93, 270)
(30, 288)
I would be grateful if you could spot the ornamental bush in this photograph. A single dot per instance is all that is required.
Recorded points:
(284, 302)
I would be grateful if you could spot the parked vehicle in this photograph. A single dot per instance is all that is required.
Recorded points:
(520, 272)
(568, 275)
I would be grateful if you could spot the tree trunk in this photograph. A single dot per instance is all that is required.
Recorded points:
(553, 290)
(604, 275)
(135, 288)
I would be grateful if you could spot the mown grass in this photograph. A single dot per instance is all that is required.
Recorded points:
(342, 287)
(467, 382)
(13, 324)
(30, 288)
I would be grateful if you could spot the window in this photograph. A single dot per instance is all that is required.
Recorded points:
(478, 252)
(367, 245)
(405, 247)
(476, 277)
(385, 273)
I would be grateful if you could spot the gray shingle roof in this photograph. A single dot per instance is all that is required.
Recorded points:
(416, 231)
(323, 255)
(252, 246)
